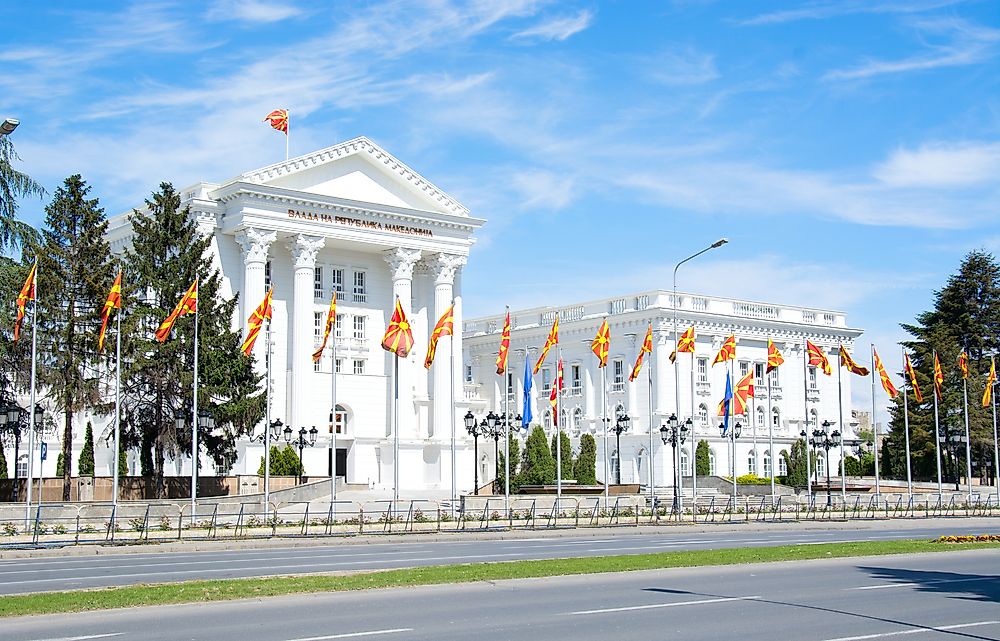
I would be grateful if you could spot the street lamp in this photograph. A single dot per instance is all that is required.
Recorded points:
(952, 441)
(733, 434)
(8, 126)
(675, 433)
(11, 418)
(825, 439)
(621, 425)
(475, 429)
(301, 443)
(495, 429)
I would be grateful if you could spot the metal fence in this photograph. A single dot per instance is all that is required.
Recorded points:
(55, 524)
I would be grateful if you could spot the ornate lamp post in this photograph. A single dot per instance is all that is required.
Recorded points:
(301, 443)
(824, 439)
(734, 434)
(11, 418)
(475, 429)
(675, 433)
(495, 429)
(621, 425)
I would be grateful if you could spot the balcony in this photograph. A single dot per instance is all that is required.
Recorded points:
(360, 297)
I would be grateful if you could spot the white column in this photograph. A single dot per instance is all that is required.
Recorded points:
(255, 243)
(401, 263)
(303, 249)
(443, 268)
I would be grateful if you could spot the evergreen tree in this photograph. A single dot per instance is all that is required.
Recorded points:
(515, 456)
(85, 466)
(122, 463)
(15, 358)
(795, 463)
(13, 185)
(74, 275)
(585, 467)
(703, 465)
(567, 454)
(537, 466)
(167, 254)
(3, 464)
(965, 315)
(60, 465)
(291, 464)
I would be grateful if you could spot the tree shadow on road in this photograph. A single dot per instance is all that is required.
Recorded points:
(972, 587)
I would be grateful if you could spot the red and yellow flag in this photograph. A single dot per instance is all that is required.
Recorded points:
(398, 335)
(504, 346)
(990, 380)
(647, 348)
(557, 387)
(741, 396)
(601, 344)
(331, 322)
(256, 321)
(553, 339)
(887, 385)
(848, 362)
(686, 341)
(938, 377)
(818, 358)
(114, 302)
(27, 293)
(444, 327)
(727, 352)
(774, 357)
(963, 364)
(912, 374)
(187, 305)
(278, 119)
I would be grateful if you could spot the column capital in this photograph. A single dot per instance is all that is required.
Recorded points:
(402, 261)
(205, 221)
(304, 249)
(255, 243)
(445, 266)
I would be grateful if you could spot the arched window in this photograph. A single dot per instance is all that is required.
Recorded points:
(820, 466)
(341, 422)
(812, 419)
(711, 462)
(703, 415)
(775, 418)
(22, 466)
(547, 419)
(767, 463)
(614, 466)
(760, 416)
(685, 463)
(782, 463)
(752, 462)
(563, 418)
(577, 419)
(641, 463)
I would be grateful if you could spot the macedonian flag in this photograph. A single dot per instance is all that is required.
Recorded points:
(818, 358)
(774, 357)
(848, 362)
(187, 305)
(553, 339)
(727, 352)
(887, 385)
(912, 374)
(504, 346)
(331, 323)
(647, 348)
(601, 344)
(398, 335)
(938, 376)
(686, 341)
(256, 321)
(27, 293)
(278, 119)
(444, 327)
(963, 364)
(557, 387)
(990, 380)
(114, 302)
(741, 396)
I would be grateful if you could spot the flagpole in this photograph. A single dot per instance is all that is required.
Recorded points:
(288, 128)
(996, 443)
(558, 384)
(395, 431)
(267, 421)
(731, 410)
(937, 429)
(507, 389)
(694, 453)
(194, 417)
(906, 434)
(770, 433)
(968, 441)
(652, 459)
(333, 413)
(451, 421)
(843, 429)
(118, 402)
(878, 492)
(805, 418)
(31, 415)
(604, 409)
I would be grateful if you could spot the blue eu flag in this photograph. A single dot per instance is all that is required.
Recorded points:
(526, 410)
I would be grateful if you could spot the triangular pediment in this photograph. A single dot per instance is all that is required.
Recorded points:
(357, 170)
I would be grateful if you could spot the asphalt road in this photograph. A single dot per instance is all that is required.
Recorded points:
(932, 596)
(125, 567)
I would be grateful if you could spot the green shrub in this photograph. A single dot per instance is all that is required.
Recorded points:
(752, 479)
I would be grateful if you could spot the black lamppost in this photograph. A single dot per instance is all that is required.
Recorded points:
(11, 418)
(825, 439)
(953, 441)
(301, 442)
(675, 433)
(495, 429)
(733, 434)
(621, 425)
(475, 429)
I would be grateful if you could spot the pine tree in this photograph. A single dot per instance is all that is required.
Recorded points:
(74, 274)
(795, 463)
(3, 464)
(60, 464)
(14, 185)
(537, 466)
(703, 464)
(167, 254)
(567, 454)
(122, 463)
(585, 467)
(85, 466)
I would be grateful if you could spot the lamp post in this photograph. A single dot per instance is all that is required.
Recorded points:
(495, 431)
(11, 418)
(301, 443)
(8, 126)
(953, 441)
(621, 425)
(734, 434)
(474, 429)
(825, 439)
(675, 433)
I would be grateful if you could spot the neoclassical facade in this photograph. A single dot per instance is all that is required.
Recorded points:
(352, 220)
(798, 394)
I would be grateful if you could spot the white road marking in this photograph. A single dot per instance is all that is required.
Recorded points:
(351, 635)
(85, 637)
(883, 586)
(664, 605)
(930, 628)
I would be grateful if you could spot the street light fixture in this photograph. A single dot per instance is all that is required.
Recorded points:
(825, 439)
(496, 429)
(675, 433)
(11, 418)
(733, 434)
(301, 443)
(621, 425)
(475, 429)
(8, 126)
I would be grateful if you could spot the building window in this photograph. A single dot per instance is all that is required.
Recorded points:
(360, 289)
(813, 420)
(761, 417)
(359, 327)
(318, 326)
(685, 463)
(578, 419)
(338, 327)
(548, 419)
(337, 282)
(812, 377)
(546, 379)
(359, 366)
(340, 365)
(316, 365)
(468, 373)
(711, 462)
(744, 368)
(767, 463)
(703, 415)
(618, 382)
(752, 462)
(318, 282)
(820, 465)
(702, 370)
(267, 274)
(782, 463)
(574, 378)
(774, 377)
(758, 375)
(341, 420)
(511, 400)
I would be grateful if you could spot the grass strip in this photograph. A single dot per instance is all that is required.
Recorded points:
(230, 589)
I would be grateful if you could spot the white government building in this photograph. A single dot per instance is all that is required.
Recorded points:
(714, 319)
(354, 220)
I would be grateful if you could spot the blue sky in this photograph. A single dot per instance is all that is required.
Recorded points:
(850, 150)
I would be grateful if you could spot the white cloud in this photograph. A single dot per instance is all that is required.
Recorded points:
(681, 67)
(544, 190)
(942, 165)
(255, 11)
(825, 10)
(557, 28)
